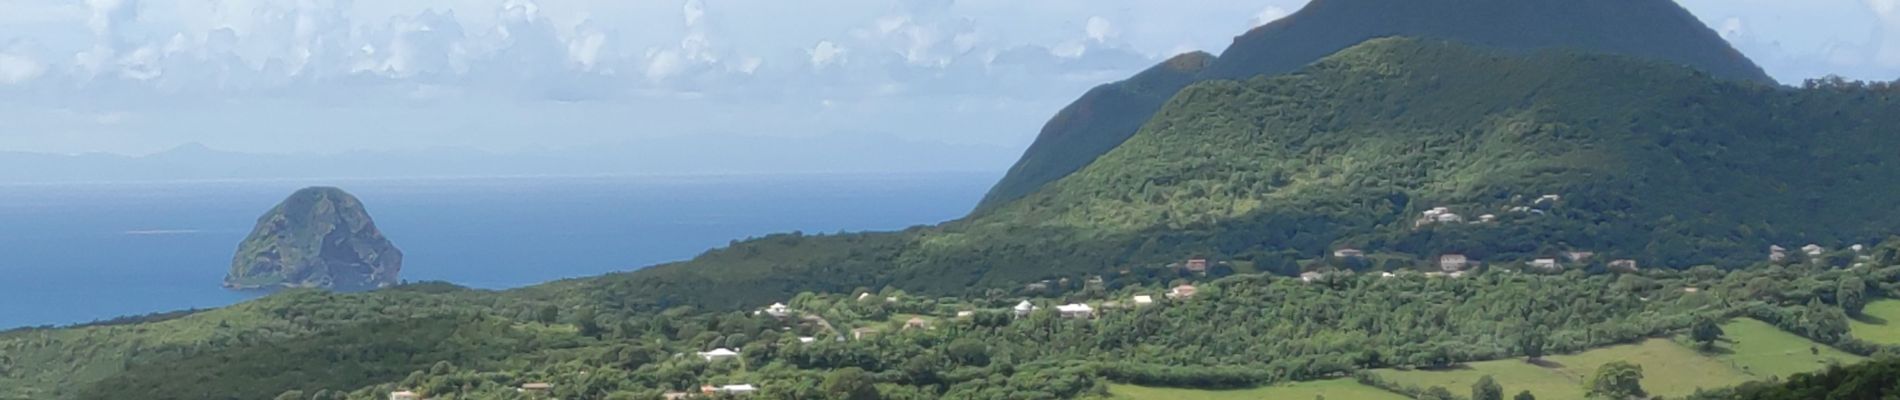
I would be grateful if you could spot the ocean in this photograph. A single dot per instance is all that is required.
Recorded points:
(73, 253)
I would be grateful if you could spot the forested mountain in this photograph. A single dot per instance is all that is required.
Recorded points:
(1650, 162)
(1657, 30)
(1095, 123)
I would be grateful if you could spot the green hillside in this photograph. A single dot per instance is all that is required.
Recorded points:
(1658, 30)
(1094, 124)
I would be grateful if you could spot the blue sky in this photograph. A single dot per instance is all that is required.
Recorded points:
(140, 76)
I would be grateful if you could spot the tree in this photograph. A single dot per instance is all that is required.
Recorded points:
(1851, 295)
(1617, 380)
(1437, 393)
(1532, 342)
(1487, 389)
(851, 384)
(1524, 395)
(1705, 332)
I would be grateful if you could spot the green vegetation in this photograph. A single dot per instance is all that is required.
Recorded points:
(318, 237)
(1761, 350)
(1878, 323)
(1873, 380)
(1107, 116)
(1336, 389)
(1093, 125)
(1669, 370)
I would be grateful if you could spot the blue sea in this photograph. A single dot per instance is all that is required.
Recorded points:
(72, 253)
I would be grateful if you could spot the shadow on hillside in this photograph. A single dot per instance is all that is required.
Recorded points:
(1544, 363)
(1869, 319)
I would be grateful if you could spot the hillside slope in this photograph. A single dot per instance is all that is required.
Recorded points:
(1096, 123)
(1657, 30)
(1652, 162)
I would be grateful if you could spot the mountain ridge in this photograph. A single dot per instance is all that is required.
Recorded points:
(1659, 30)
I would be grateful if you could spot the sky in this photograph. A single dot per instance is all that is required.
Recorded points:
(324, 76)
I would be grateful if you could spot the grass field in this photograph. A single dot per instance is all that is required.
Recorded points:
(1669, 369)
(1879, 323)
(1761, 350)
(1338, 389)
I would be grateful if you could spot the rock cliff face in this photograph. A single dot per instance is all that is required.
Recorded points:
(319, 237)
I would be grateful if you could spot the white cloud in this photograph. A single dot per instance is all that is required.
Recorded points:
(826, 53)
(1100, 29)
(1268, 15)
(17, 69)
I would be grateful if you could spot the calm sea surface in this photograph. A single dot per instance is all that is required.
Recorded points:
(73, 253)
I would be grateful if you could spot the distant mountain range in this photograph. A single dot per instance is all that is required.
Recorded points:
(674, 155)
(1657, 30)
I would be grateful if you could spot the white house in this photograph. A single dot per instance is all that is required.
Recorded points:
(1076, 311)
(1547, 264)
(1449, 218)
(1548, 199)
(1488, 218)
(1024, 308)
(1776, 253)
(718, 354)
(1813, 249)
(1142, 300)
(739, 389)
(1348, 253)
(404, 395)
(778, 310)
(1624, 265)
(966, 314)
(1309, 277)
(807, 339)
(1452, 262)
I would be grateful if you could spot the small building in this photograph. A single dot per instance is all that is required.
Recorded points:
(1024, 308)
(1310, 277)
(404, 395)
(1691, 290)
(1857, 248)
(1182, 292)
(863, 296)
(778, 310)
(1488, 218)
(1036, 287)
(718, 354)
(863, 333)
(917, 323)
(1197, 265)
(1449, 218)
(807, 339)
(966, 314)
(1624, 265)
(536, 387)
(1142, 300)
(736, 390)
(1545, 264)
(1348, 253)
(1579, 256)
(1548, 199)
(1080, 311)
(1386, 275)
(1777, 254)
(1453, 262)
(1813, 249)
